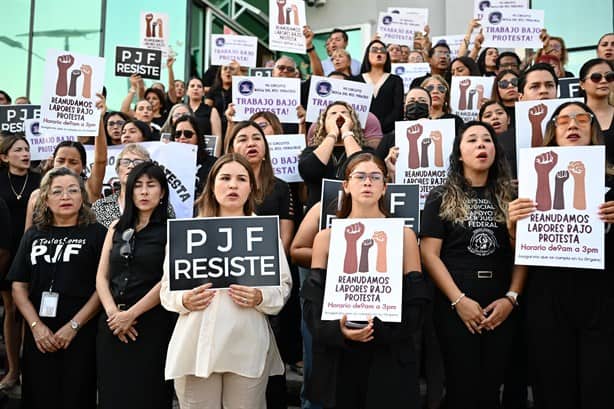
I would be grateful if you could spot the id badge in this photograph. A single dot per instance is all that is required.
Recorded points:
(49, 304)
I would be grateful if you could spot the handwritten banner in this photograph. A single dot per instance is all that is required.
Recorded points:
(280, 96)
(567, 185)
(286, 21)
(513, 28)
(228, 48)
(142, 61)
(467, 94)
(365, 275)
(285, 150)
(424, 152)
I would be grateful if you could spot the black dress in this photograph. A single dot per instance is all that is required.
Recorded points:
(132, 375)
(387, 105)
(66, 378)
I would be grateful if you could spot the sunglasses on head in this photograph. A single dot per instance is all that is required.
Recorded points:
(286, 68)
(597, 76)
(187, 133)
(440, 88)
(581, 118)
(508, 83)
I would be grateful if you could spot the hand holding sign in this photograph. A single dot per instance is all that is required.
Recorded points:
(357, 335)
(198, 298)
(246, 297)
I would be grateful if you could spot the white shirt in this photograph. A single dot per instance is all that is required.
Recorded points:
(328, 67)
(225, 337)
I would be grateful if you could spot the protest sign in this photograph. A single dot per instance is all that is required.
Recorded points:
(224, 251)
(261, 72)
(401, 202)
(569, 87)
(480, 6)
(467, 94)
(513, 28)
(424, 152)
(394, 28)
(410, 71)
(418, 14)
(155, 32)
(42, 146)
(324, 91)
(284, 150)
(142, 61)
(454, 41)
(12, 117)
(369, 284)
(567, 185)
(178, 161)
(286, 21)
(531, 120)
(211, 142)
(280, 96)
(68, 102)
(228, 48)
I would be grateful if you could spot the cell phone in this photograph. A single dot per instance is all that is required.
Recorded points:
(355, 325)
(340, 121)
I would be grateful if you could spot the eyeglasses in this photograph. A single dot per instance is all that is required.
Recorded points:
(581, 118)
(362, 176)
(508, 83)
(127, 162)
(440, 88)
(597, 76)
(71, 191)
(263, 124)
(377, 50)
(111, 124)
(286, 68)
(509, 66)
(442, 54)
(126, 249)
(187, 133)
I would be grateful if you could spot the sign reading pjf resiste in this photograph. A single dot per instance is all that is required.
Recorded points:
(224, 251)
(68, 103)
(141, 61)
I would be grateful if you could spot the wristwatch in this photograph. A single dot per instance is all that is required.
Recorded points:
(74, 325)
(513, 297)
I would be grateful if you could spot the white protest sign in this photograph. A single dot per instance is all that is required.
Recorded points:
(532, 118)
(284, 150)
(178, 161)
(280, 96)
(398, 28)
(418, 14)
(228, 48)
(567, 185)
(454, 41)
(365, 276)
(42, 146)
(68, 103)
(410, 71)
(513, 28)
(155, 32)
(324, 91)
(286, 21)
(480, 6)
(424, 152)
(467, 94)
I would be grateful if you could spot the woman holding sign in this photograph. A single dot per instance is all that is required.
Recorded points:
(373, 366)
(466, 249)
(570, 310)
(223, 350)
(53, 278)
(134, 331)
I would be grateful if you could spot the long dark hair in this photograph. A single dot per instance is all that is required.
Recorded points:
(366, 65)
(495, 87)
(108, 116)
(456, 190)
(346, 200)
(468, 62)
(202, 153)
(7, 144)
(586, 67)
(482, 60)
(75, 145)
(129, 218)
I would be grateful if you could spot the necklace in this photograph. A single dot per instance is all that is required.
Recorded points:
(18, 195)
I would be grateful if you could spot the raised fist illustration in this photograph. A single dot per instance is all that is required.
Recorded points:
(463, 85)
(74, 75)
(480, 91)
(160, 28)
(424, 156)
(536, 117)
(559, 189)
(543, 165)
(86, 70)
(470, 99)
(437, 137)
(154, 24)
(578, 172)
(148, 18)
(413, 133)
(381, 239)
(545, 162)
(295, 15)
(280, 12)
(364, 255)
(352, 233)
(64, 62)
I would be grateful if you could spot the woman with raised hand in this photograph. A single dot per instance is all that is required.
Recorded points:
(569, 310)
(220, 94)
(134, 332)
(207, 117)
(372, 367)
(54, 287)
(223, 350)
(466, 250)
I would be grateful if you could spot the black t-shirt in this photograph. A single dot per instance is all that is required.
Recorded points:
(278, 202)
(17, 207)
(608, 139)
(203, 118)
(221, 98)
(507, 140)
(478, 243)
(68, 256)
(5, 225)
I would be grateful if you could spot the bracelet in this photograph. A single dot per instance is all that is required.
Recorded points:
(346, 134)
(33, 324)
(310, 49)
(460, 297)
(507, 297)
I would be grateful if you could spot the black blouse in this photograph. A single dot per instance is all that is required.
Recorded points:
(387, 106)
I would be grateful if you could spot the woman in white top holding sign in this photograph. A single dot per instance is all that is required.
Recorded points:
(374, 366)
(222, 350)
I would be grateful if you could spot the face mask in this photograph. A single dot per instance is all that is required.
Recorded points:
(416, 110)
